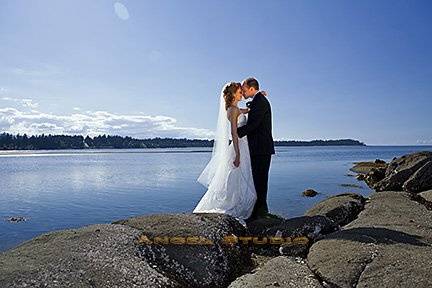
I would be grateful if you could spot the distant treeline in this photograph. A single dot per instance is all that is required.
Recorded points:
(37, 142)
(341, 142)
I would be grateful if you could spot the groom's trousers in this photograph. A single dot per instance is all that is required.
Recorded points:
(260, 171)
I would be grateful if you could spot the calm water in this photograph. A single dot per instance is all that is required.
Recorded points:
(68, 189)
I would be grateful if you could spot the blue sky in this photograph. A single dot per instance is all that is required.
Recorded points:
(333, 69)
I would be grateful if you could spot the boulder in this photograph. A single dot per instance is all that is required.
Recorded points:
(361, 177)
(365, 167)
(260, 225)
(389, 244)
(374, 176)
(401, 169)
(101, 255)
(341, 209)
(193, 265)
(310, 193)
(421, 180)
(280, 271)
(298, 233)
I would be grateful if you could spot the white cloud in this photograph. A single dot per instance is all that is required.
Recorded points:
(121, 11)
(94, 123)
(424, 141)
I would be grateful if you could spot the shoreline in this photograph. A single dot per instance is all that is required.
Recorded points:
(190, 147)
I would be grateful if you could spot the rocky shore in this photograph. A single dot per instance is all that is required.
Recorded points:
(346, 240)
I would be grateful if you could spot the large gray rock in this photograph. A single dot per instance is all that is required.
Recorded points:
(366, 167)
(374, 176)
(421, 180)
(401, 169)
(260, 225)
(310, 226)
(387, 245)
(101, 255)
(199, 265)
(310, 193)
(299, 233)
(280, 271)
(341, 209)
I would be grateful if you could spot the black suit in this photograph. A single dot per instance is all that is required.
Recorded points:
(261, 147)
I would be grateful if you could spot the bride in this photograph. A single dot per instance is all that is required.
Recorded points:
(228, 175)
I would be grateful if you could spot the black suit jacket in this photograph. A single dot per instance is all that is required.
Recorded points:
(259, 127)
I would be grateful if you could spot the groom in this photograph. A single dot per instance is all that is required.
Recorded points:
(260, 139)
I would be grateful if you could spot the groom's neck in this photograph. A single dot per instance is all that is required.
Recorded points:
(254, 94)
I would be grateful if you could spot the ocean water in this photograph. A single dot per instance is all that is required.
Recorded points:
(71, 188)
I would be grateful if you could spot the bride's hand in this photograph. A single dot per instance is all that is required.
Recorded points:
(237, 161)
(244, 110)
(264, 93)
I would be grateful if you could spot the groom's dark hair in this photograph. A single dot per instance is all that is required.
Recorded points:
(252, 82)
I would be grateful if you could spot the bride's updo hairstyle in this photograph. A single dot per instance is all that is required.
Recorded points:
(228, 93)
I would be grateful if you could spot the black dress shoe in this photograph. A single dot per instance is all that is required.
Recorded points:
(250, 219)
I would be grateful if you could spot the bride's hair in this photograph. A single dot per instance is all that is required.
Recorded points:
(229, 91)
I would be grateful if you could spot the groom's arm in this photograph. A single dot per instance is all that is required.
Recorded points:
(256, 115)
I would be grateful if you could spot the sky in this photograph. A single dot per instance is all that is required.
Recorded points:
(332, 69)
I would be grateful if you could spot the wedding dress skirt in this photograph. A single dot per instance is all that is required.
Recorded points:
(233, 192)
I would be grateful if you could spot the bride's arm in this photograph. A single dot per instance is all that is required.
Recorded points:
(233, 115)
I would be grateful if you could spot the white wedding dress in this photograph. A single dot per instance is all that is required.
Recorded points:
(231, 189)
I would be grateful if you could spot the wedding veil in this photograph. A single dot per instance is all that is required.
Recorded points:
(219, 162)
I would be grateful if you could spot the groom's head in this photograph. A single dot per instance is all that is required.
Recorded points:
(250, 87)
